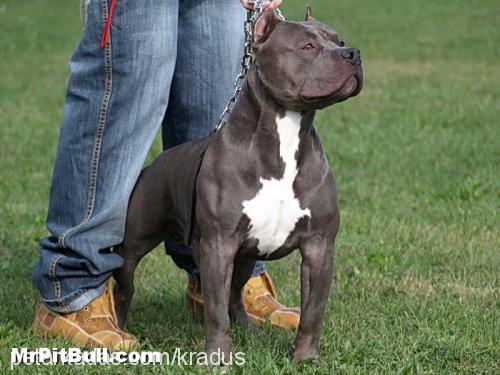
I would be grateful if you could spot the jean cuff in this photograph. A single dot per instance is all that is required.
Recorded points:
(75, 301)
(259, 269)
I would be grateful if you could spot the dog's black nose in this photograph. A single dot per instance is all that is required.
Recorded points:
(351, 54)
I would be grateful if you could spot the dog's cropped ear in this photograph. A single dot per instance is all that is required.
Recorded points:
(308, 15)
(264, 26)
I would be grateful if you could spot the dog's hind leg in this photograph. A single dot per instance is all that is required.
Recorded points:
(242, 271)
(124, 277)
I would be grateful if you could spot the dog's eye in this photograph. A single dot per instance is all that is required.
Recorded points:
(308, 47)
(341, 43)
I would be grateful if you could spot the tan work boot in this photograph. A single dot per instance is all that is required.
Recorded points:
(194, 298)
(259, 297)
(92, 326)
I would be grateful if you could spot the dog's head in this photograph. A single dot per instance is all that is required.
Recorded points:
(305, 65)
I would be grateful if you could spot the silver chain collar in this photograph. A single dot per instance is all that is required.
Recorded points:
(246, 61)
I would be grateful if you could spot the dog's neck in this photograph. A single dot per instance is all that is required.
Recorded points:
(277, 137)
(256, 111)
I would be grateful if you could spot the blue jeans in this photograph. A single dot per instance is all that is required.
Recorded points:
(168, 61)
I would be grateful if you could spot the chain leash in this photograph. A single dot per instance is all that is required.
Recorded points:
(246, 61)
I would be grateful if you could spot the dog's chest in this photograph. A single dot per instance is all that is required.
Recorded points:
(275, 210)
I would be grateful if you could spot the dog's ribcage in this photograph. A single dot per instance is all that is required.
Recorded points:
(275, 210)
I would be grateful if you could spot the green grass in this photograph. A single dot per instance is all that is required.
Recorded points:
(416, 157)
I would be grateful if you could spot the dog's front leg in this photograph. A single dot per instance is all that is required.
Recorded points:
(216, 268)
(316, 278)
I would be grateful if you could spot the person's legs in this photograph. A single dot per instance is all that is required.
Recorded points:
(210, 48)
(115, 103)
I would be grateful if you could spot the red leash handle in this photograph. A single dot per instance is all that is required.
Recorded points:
(106, 33)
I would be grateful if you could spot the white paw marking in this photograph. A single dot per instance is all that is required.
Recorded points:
(275, 210)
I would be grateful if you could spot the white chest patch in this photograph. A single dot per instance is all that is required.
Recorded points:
(274, 211)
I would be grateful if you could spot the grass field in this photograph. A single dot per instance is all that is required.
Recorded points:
(417, 161)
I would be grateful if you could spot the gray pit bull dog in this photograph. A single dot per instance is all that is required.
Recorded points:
(262, 189)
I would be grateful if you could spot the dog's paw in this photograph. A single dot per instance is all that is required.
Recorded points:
(240, 317)
(305, 357)
(304, 354)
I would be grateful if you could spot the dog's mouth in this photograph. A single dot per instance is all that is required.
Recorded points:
(351, 87)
